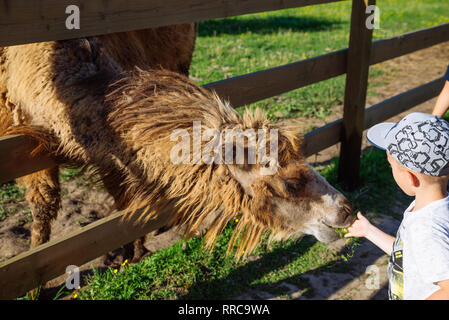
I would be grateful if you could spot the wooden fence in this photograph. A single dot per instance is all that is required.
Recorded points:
(26, 21)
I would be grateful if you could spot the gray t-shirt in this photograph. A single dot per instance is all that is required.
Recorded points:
(420, 256)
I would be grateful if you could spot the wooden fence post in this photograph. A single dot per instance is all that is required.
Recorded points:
(358, 61)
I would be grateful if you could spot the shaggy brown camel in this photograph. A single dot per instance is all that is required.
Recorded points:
(85, 104)
(169, 47)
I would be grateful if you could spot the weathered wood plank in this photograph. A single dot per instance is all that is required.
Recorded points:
(329, 135)
(406, 43)
(15, 158)
(252, 87)
(45, 262)
(359, 52)
(322, 138)
(402, 102)
(260, 85)
(26, 21)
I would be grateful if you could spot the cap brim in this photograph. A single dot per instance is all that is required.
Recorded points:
(376, 134)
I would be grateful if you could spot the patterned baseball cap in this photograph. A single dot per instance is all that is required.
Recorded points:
(420, 142)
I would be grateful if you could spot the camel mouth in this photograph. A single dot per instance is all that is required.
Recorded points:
(337, 226)
(325, 232)
(328, 226)
(345, 223)
(339, 230)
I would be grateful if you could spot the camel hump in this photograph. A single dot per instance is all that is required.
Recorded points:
(168, 47)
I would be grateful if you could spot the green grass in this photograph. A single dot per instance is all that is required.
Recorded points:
(82, 178)
(10, 193)
(235, 46)
(67, 174)
(194, 273)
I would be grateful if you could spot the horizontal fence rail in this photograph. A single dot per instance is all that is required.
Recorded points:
(330, 134)
(15, 158)
(26, 21)
(389, 48)
(45, 262)
(263, 84)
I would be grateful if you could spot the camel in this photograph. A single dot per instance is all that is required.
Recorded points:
(168, 47)
(112, 102)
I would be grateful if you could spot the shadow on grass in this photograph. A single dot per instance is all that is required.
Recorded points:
(243, 277)
(264, 25)
(309, 285)
(323, 282)
(61, 292)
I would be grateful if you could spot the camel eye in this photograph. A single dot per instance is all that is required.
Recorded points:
(265, 164)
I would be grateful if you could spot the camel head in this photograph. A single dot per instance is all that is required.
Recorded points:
(296, 200)
(284, 193)
(185, 143)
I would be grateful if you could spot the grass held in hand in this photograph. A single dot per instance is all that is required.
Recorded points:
(341, 231)
(351, 243)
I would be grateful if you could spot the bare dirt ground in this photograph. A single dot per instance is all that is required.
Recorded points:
(83, 204)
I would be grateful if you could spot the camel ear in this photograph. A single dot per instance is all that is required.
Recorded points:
(245, 177)
(240, 147)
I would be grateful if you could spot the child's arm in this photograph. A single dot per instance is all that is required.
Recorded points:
(363, 228)
(442, 103)
(443, 293)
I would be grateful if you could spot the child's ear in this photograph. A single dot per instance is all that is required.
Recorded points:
(413, 179)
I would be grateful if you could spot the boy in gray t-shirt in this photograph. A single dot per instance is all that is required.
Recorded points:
(418, 152)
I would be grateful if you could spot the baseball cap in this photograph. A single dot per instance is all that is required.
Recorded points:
(419, 141)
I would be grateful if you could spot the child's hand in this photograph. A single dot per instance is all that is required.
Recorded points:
(359, 228)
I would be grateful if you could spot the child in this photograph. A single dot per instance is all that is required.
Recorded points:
(442, 103)
(418, 152)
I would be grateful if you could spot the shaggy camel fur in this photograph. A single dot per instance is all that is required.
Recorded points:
(83, 103)
(169, 47)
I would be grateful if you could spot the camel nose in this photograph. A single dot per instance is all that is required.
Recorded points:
(347, 207)
(350, 218)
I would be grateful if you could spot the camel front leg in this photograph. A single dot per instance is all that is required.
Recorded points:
(43, 196)
(133, 251)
